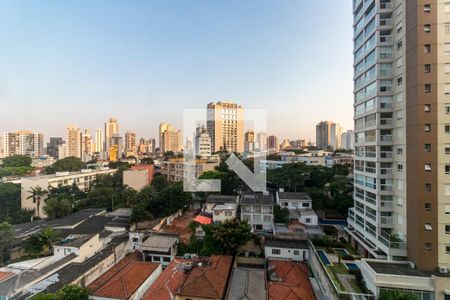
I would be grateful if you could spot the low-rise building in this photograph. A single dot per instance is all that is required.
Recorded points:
(248, 284)
(294, 200)
(294, 249)
(137, 179)
(160, 248)
(83, 245)
(214, 200)
(176, 169)
(83, 180)
(289, 280)
(125, 281)
(257, 210)
(223, 212)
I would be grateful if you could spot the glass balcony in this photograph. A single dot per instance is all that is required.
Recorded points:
(386, 138)
(386, 5)
(386, 220)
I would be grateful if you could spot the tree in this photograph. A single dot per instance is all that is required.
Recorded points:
(6, 239)
(159, 182)
(36, 194)
(140, 214)
(17, 161)
(57, 208)
(226, 237)
(9, 198)
(68, 164)
(41, 242)
(280, 215)
(68, 292)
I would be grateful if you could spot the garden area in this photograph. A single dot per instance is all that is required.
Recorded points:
(341, 263)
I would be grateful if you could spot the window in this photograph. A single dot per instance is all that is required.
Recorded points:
(399, 62)
(427, 68)
(427, 167)
(399, 80)
(447, 48)
(399, 27)
(427, 108)
(427, 88)
(447, 251)
(399, 45)
(447, 128)
(447, 108)
(428, 246)
(427, 147)
(276, 251)
(427, 127)
(427, 48)
(447, 68)
(447, 169)
(447, 88)
(447, 209)
(447, 28)
(166, 259)
(305, 204)
(399, 150)
(428, 227)
(427, 8)
(427, 28)
(447, 229)
(447, 149)
(307, 220)
(399, 168)
(428, 207)
(427, 187)
(296, 252)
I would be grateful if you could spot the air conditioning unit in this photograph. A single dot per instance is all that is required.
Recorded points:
(443, 270)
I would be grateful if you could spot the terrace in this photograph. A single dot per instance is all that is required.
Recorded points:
(338, 263)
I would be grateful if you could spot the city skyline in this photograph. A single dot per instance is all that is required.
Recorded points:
(259, 62)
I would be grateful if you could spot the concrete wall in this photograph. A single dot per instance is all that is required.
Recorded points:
(287, 253)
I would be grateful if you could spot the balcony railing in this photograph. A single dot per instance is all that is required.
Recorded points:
(387, 121)
(386, 204)
(386, 154)
(386, 138)
(386, 171)
(371, 216)
(391, 241)
(386, 220)
(386, 22)
(386, 5)
(386, 188)
(386, 39)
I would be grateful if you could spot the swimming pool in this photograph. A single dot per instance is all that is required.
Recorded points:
(323, 257)
(341, 251)
(351, 266)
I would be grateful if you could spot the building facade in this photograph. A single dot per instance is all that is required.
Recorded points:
(22, 142)
(130, 143)
(169, 139)
(225, 126)
(402, 125)
(111, 129)
(53, 146)
(73, 138)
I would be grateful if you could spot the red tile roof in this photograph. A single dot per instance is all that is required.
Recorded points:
(4, 275)
(168, 283)
(209, 281)
(134, 256)
(203, 220)
(294, 285)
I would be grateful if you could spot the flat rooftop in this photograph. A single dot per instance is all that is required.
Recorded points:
(225, 206)
(222, 199)
(159, 243)
(394, 268)
(65, 174)
(286, 243)
(294, 196)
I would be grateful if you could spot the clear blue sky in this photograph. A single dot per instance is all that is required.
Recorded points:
(144, 61)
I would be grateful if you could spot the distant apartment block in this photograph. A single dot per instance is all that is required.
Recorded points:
(170, 139)
(257, 210)
(138, 176)
(225, 126)
(22, 143)
(176, 169)
(83, 180)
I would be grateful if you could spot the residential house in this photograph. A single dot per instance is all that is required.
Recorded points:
(257, 210)
(160, 248)
(284, 248)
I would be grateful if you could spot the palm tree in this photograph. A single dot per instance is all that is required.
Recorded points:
(48, 237)
(36, 194)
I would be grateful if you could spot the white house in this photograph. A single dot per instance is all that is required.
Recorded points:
(160, 248)
(257, 210)
(83, 245)
(286, 248)
(294, 200)
(223, 212)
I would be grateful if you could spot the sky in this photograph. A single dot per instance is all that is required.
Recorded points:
(144, 61)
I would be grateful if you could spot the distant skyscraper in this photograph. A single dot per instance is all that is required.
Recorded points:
(272, 143)
(261, 141)
(151, 145)
(347, 140)
(116, 143)
(169, 139)
(328, 134)
(86, 146)
(111, 128)
(73, 141)
(202, 142)
(130, 143)
(225, 126)
(53, 146)
(249, 141)
(99, 141)
(335, 136)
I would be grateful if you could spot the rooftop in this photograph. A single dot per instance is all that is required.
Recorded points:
(156, 242)
(249, 284)
(222, 199)
(64, 174)
(289, 280)
(210, 281)
(4, 275)
(286, 243)
(294, 196)
(75, 240)
(203, 220)
(395, 268)
(225, 206)
(258, 199)
(122, 282)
